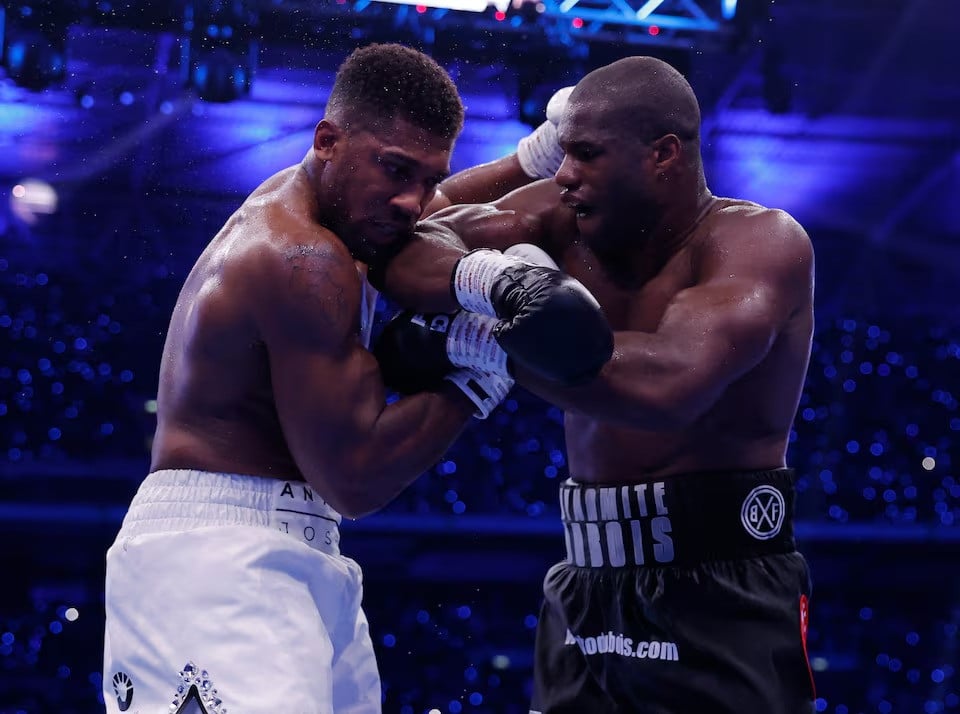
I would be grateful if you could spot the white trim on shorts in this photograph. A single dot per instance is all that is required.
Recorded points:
(180, 499)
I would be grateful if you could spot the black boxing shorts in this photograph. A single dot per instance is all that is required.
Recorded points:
(684, 595)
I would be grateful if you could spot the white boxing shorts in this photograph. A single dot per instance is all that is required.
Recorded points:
(228, 593)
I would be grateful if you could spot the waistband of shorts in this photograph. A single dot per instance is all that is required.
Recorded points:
(180, 499)
(679, 520)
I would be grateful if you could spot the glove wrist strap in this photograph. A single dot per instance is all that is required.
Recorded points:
(486, 391)
(471, 343)
(473, 279)
(539, 153)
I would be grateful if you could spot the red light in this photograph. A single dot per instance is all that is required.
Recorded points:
(421, 9)
(578, 22)
(500, 15)
(653, 30)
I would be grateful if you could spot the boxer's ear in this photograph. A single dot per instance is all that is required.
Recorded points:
(325, 138)
(667, 151)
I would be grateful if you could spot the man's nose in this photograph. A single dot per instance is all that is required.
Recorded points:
(566, 175)
(410, 202)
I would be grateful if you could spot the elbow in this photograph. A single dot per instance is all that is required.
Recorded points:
(354, 509)
(681, 411)
(668, 410)
(343, 490)
(350, 502)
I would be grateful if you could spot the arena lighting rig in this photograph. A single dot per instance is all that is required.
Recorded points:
(664, 22)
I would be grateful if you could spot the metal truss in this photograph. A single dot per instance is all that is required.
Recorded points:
(692, 15)
(671, 22)
(668, 23)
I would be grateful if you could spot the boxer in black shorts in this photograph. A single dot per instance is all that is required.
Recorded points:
(682, 592)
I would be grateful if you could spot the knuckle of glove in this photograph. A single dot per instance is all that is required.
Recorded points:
(558, 330)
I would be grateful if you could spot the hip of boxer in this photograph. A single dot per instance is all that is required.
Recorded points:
(227, 592)
(678, 595)
(182, 500)
(679, 520)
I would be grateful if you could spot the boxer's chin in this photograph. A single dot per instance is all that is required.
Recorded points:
(365, 251)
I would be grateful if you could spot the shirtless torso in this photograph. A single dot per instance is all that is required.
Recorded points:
(216, 401)
(712, 337)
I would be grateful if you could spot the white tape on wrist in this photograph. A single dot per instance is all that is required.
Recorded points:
(486, 391)
(539, 152)
(474, 276)
(470, 343)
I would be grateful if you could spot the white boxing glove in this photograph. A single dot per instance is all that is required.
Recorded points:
(539, 153)
(530, 253)
(485, 390)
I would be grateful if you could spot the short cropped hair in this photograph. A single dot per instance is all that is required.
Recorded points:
(383, 82)
(647, 95)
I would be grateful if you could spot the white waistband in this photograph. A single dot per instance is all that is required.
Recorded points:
(179, 500)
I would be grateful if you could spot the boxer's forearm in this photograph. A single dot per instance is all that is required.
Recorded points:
(481, 184)
(418, 277)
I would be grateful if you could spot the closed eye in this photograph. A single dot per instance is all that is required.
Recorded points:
(583, 152)
(434, 181)
(397, 170)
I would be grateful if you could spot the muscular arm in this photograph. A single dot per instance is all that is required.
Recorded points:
(349, 444)
(480, 184)
(751, 281)
(418, 277)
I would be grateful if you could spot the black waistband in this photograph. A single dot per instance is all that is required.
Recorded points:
(679, 520)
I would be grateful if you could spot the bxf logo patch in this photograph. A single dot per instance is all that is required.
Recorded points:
(763, 512)
(123, 689)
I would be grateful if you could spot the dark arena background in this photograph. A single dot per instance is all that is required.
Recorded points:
(129, 131)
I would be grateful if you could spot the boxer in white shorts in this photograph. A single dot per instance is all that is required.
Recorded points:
(225, 588)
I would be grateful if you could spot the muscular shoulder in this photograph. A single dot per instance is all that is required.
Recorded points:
(304, 284)
(748, 234)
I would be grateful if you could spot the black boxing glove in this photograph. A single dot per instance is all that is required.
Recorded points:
(417, 351)
(550, 324)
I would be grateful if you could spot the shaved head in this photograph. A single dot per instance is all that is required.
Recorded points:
(643, 96)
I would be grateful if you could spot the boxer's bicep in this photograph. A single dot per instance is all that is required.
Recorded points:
(328, 402)
(716, 333)
(324, 383)
(439, 201)
(487, 225)
(666, 379)
(357, 451)
(710, 335)
(536, 198)
(749, 288)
